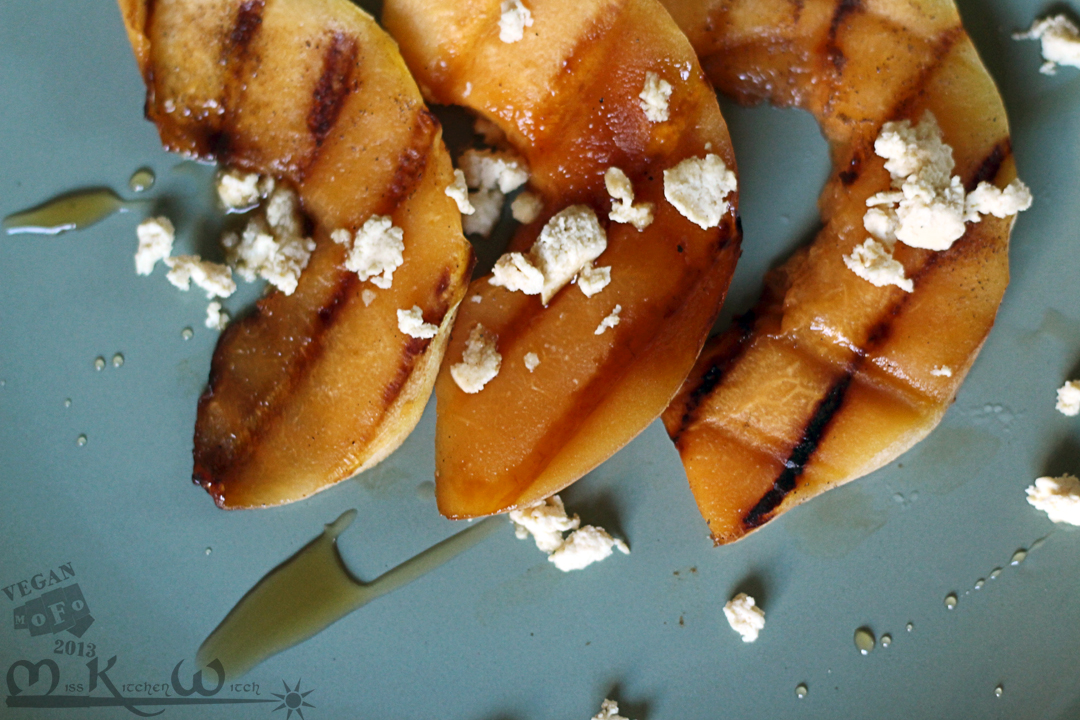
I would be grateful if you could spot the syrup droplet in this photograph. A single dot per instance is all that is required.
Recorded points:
(979, 583)
(1038, 543)
(186, 333)
(1018, 557)
(886, 640)
(864, 640)
(99, 363)
(117, 360)
(950, 601)
(999, 690)
(209, 550)
(142, 180)
(81, 440)
(910, 626)
(995, 573)
(426, 490)
(72, 211)
(67, 402)
(801, 690)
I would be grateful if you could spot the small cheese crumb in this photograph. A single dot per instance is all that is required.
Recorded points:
(480, 362)
(1060, 42)
(376, 251)
(609, 322)
(547, 521)
(411, 322)
(531, 361)
(655, 97)
(216, 318)
(745, 617)
(459, 193)
(156, 237)
(1058, 497)
(214, 278)
(942, 371)
(609, 710)
(697, 187)
(367, 296)
(517, 273)
(277, 254)
(526, 207)
(487, 206)
(477, 299)
(624, 210)
(592, 279)
(488, 169)
(513, 21)
(874, 262)
(989, 200)
(1068, 398)
(239, 191)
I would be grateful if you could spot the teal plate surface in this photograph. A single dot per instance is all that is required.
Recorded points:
(499, 633)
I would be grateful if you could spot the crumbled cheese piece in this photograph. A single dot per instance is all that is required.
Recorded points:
(570, 240)
(513, 21)
(480, 362)
(477, 299)
(655, 97)
(367, 296)
(526, 207)
(214, 278)
(411, 322)
(609, 322)
(531, 361)
(1058, 497)
(592, 279)
(624, 210)
(488, 169)
(546, 522)
(216, 318)
(609, 710)
(376, 251)
(1068, 398)
(276, 255)
(745, 617)
(487, 206)
(874, 262)
(156, 237)
(697, 187)
(989, 200)
(240, 191)
(1060, 42)
(459, 193)
(516, 272)
(942, 371)
(583, 547)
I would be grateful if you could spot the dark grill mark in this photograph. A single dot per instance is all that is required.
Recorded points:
(849, 176)
(988, 168)
(334, 86)
(248, 22)
(413, 160)
(793, 466)
(843, 9)
(413, 348)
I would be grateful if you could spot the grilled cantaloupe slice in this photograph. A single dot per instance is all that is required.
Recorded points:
(315, 386)
(567, 96)
(830, 377)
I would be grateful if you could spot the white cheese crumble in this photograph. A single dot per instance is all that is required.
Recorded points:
(239, 191)
(547, 521)
(942, 371)
(697, 187)
(156, 237)
(592, 279)
(531, 361)
(745, 617)
(487, 208)
(609, 710)
(989, 200)
(272, 248)
(376, 251)
(411, 322)
(214, 278)
(526, 207)
(623, 210)
(458, 191)
(874, 262)
(480, 362)
(487, 169)
(1058, 497)
(570, 240)
(514, 19)
(1060, 42)
(1068, 398)
(655, 97)
(216, 318)
(367, 296)
(609, 322)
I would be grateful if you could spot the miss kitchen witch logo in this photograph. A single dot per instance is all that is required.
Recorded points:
(60, 609)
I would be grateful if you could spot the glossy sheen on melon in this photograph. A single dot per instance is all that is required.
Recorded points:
(316, 386)
(830, 377)
(566, 96)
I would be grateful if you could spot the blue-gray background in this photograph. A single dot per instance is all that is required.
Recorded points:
(500, 633)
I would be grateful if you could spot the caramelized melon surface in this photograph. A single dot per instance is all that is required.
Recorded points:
(566, 96)
(315, 386)
(830, 377)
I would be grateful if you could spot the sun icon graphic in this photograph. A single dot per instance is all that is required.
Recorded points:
(293, 700)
